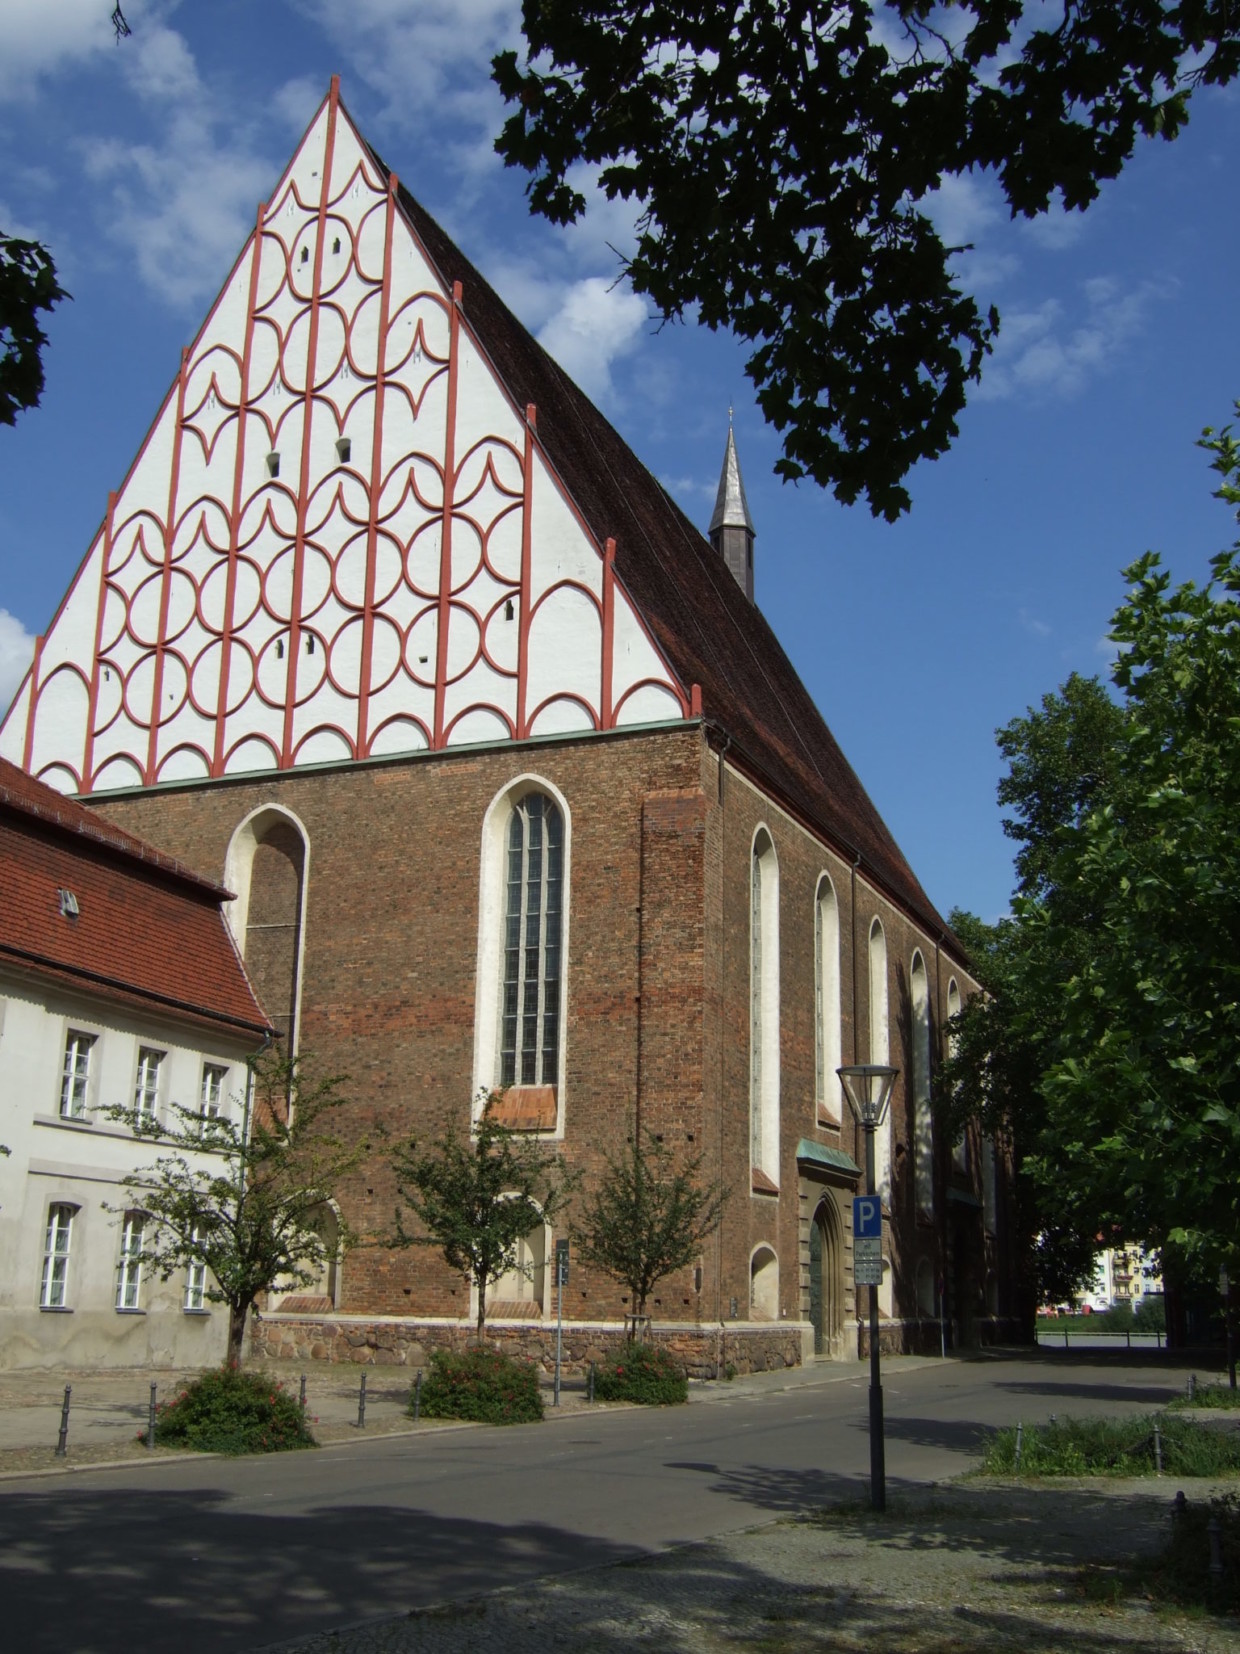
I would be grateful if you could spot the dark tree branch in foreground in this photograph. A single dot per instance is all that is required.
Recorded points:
(28, 286)
(780, 157)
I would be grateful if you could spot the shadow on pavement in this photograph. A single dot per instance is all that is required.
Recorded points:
(981, 1573)
(180, 1572)
(1143, 1395)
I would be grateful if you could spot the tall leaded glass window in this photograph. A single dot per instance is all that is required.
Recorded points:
(533, 917)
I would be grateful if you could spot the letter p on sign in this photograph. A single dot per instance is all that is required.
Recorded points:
(867, 1217)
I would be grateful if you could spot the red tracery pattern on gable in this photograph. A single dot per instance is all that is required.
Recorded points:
(318, 556)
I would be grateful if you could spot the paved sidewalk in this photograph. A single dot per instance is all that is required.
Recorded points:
(953, 1569)
(108, 1409)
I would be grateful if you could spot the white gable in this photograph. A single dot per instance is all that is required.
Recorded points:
(284, 578)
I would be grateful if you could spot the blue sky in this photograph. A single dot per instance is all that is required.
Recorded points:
(141, 164)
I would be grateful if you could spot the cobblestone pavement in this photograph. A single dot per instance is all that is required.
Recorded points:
(949, 1570)
(108, 1409)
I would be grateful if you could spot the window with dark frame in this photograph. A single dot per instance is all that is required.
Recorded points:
(530, 997)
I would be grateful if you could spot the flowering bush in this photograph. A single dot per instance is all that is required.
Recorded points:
(642, 1372)
(482, 1385)
(228, 1411)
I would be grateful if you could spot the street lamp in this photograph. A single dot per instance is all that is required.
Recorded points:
(868, 1087)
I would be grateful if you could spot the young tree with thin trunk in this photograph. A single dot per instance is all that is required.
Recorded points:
(247, 1193)
(477, 1198)
(645, 1218)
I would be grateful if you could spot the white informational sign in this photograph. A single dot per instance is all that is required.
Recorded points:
(867, 1261)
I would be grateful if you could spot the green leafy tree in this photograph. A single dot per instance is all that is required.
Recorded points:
(28, 286)
(251, 1197)
(1111, 1039)
(478, 1197)
(781, 156)
(645, 1218)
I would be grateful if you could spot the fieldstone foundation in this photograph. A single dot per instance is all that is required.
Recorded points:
(705, 1351)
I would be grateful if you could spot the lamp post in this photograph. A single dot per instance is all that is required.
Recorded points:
(868, 1087)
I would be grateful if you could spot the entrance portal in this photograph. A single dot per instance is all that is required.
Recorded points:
(826, 1280)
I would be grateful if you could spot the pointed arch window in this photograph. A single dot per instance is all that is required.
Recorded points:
(923, 1124)
(828, 1053)
(880, 1048)
(532, 955)
(764, 1013)
(960, 1148)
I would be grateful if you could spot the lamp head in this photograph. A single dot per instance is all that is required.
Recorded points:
(868, 1086)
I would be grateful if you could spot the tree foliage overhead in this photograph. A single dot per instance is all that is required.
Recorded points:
(780, 155)
(477, 1198)
(1113, 1037)
(247, 1192)
(645, 1218)
(28, 286)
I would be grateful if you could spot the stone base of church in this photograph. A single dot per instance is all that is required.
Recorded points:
(706, 1350)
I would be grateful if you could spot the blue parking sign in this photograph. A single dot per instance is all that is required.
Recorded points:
(867, 1217)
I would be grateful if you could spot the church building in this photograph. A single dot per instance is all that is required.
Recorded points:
(388, 632)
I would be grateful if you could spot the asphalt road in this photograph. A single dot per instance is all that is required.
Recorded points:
(225, 1555)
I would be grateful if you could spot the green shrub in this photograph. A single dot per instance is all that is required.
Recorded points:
(1210, 1395)
(482, 1385)
(644, 1373)
(1113, 1447)
(229, 1411)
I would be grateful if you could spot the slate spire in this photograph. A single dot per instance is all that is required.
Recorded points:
(731, 527)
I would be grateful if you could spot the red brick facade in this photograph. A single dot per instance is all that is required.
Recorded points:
(660, 834)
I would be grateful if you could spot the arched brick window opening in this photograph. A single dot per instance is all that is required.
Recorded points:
(880, 1050)
(764, 1012)
(532, 963)
(923, 1121)
(828, 1055)
(267, 868)
(764, 1285)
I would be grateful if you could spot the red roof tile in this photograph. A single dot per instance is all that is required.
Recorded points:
(147, 929)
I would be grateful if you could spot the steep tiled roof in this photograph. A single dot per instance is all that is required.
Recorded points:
(708, 630)
(147, 931)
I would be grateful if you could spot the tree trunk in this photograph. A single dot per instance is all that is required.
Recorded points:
(237, 1316)
(482, 1309)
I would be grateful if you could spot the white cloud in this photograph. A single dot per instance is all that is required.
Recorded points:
(597, 323)
(40, 37)
(1040, 352)
(183, 203)
(962, 207)
(422, 56)
(1055, 229)
(1032, 625)
(16, 653)
(296, 101)
(689, 485)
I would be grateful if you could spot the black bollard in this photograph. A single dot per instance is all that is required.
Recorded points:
(590, 1384)
(1157, 1449)
(62, 1439)
(1216, 1552)
(302, 1393)
(361, 1404)
(150, 1421)
(417, 1395)
(1020, 1430)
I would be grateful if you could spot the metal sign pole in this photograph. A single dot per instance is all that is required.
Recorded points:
(878, 1467)
(561, 1278)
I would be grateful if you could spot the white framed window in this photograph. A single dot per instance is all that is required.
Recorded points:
(827, 1043)
(923, 1120)
(764, 1011)
(214, 1082)
(75, 1075)
(129, 1268)
(532, 959)
(880, 1050)
(146, 1086)
(53, 1291)
(196, 1281)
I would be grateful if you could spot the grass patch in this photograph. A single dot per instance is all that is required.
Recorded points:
(229, 1411)
(643, 1373)
(1113, 1447)
(481, 1385)
(1181, 1575)
(1207, 1396)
